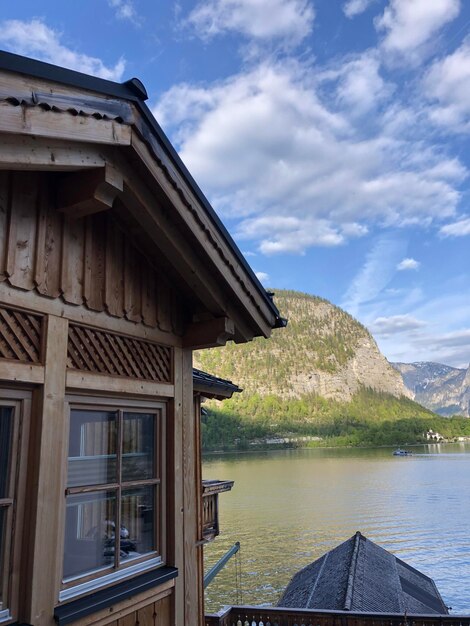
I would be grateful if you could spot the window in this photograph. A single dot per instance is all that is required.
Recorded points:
(13, 411)
(114, 495)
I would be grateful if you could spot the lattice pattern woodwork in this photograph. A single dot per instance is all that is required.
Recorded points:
(20, 335)
(103, 352)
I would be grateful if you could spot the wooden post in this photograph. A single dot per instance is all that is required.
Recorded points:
(192, 491)
(175, 468)
(186, 494)
(46, 478)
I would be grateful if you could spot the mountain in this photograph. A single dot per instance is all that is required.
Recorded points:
(441, 388)
(323, 351)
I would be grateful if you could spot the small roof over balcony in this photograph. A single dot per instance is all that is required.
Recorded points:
(359, 575)
(212, 386)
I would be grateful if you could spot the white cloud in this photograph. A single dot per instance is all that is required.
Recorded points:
(262, 277)
(385, 326)
(408, 264)
(280, 234)
(289, 20)
(264, 146)
(125, 10)
(410, 26)
(446, 85)
(356, 7)
(36, 39)
(359, 85)
(461, 228)
(375, 274)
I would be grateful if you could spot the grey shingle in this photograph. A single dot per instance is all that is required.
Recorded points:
(359, 575)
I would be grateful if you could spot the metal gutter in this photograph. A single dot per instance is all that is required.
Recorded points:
(135, 91)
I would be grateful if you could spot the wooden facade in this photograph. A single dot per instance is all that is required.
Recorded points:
(113, 268)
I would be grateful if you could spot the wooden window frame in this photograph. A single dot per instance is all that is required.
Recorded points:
(108, 575)
(20, 400)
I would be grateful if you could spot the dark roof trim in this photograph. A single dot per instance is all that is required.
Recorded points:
(104, 598)
(31, 67)
(134, 90)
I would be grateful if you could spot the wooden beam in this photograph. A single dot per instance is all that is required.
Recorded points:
(15, 371)
(24, 120)
(85, 193)
(209, 334)
(110, 384)
(37, 153)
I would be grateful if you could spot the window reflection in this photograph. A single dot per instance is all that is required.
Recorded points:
(92, 448)
(137, 522)
(89, 532)
(138, 439)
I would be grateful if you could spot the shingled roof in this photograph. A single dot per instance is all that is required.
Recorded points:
(359, 575)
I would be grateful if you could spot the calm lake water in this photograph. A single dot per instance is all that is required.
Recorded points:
(289, 507)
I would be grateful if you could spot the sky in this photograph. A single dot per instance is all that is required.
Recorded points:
(331, 136)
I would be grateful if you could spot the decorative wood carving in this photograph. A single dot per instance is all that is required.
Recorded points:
(103, 352)
(20, 335)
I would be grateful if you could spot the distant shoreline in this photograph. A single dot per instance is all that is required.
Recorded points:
(359, 447)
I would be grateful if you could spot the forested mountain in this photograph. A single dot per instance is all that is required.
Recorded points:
(323, 351)
(323, 376)
(441, 388)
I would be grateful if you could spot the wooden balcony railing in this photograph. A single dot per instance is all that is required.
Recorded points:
(210, 506)
(255, 616)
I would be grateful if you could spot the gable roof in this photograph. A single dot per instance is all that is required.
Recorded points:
(359, 575)
(127, 122)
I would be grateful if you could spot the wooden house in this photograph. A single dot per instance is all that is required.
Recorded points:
(113, 269)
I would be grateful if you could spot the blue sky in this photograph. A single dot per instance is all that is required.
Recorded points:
(332, 136)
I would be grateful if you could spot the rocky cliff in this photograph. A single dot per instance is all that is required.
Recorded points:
(323, 351)
(441, 388)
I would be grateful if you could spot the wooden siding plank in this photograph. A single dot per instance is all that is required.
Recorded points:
(73, 260)
(163, 612)
(49, 246)
(22, 232)
(114, 278)
(5, 178)
(128, 620)
(132, 284)
(149, 296)
(146, 616)
(95, 249)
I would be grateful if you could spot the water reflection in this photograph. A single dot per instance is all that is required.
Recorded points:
(289, 507)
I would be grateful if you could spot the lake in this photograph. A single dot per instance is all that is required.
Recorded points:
(289, 507)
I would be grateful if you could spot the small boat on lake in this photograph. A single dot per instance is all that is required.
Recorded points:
(400, 452)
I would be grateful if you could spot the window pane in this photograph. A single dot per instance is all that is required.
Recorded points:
(92, 448)
(89, 532)
(3, 519)
(6, 429)
(138, 443)
(137, 522)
